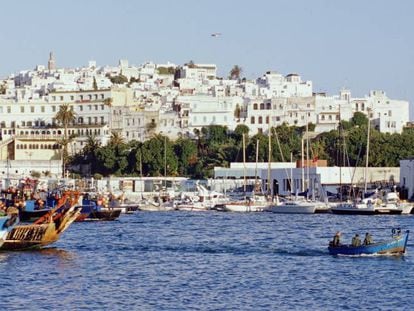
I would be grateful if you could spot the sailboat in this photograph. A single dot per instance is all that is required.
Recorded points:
(376, 203)
(299, 205)
(254, 203)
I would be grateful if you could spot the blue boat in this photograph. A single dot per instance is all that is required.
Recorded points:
(396, 245)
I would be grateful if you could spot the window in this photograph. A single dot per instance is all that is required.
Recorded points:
(260, 120)
(262, 106)
(96, 107)
(22, 109)
(61, 98)
(8, 109)
(267, 119)
(252, 120)
(72, 97)
(102, 107)
(255, 106)
(32, 109)
(54, 108)
(80, 108)
(390, 113)
(42, 108)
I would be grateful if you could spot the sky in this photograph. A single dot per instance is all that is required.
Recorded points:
(361, 45)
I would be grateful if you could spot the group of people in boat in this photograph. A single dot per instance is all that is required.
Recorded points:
(356, 240)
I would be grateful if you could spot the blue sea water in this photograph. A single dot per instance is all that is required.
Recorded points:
(210, 261)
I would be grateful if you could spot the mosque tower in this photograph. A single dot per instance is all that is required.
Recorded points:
(51, 65)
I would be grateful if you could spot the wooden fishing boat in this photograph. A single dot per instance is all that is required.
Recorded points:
(396, 245)
(45, 230)
(6, 225)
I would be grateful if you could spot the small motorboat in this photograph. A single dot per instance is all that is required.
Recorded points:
(396, 245)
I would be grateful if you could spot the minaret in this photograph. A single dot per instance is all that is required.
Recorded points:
(51, 65)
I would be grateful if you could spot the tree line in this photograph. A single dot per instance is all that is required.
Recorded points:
(216, 145)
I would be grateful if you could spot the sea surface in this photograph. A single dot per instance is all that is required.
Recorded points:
(210, 261)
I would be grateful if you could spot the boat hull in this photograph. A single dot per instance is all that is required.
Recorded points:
(395, 246)
(244, 208)
(299, 208)
(104, 214)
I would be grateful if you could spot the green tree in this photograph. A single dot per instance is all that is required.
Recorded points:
(359, 119)
(158, 156)
(119, 79)
(186, 152)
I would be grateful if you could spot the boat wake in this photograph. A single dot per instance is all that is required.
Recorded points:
(301, 252)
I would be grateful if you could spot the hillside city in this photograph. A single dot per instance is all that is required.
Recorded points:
(138, 102)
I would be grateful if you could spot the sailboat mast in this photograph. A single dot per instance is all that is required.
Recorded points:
(269, 164)
(307, 157)
(244, 165)
(367, 155)
(165, 161)
(255, 171)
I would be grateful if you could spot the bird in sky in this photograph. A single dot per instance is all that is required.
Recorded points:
(216, 34)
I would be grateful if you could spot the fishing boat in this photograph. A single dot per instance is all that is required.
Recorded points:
(7, 223)
(396, 245)
(93, 210)
(47, 229)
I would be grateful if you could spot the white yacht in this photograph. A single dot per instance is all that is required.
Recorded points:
(297, 206)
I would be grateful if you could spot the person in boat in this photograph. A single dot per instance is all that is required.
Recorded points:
(356, 241)
(336, 241)
(368, 239)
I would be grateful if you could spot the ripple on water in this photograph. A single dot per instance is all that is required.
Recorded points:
(209, 261)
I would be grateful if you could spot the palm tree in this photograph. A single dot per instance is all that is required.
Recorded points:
(89, 152)
(116, 139)
(65, 116)
(235, 72)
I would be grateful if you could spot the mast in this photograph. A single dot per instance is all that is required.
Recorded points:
(269, 160)
(244, 166)
(255, 171)
(307, 157)
(367, 155)
(165, 162)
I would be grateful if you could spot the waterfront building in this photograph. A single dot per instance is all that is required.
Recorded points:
(289, 177)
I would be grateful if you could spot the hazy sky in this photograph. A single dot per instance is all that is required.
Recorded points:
(362, 45)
